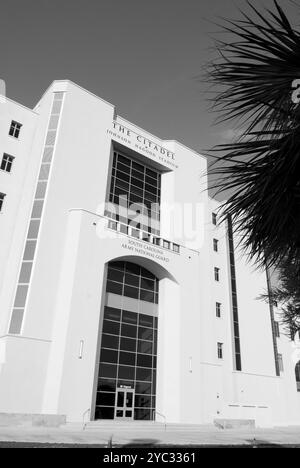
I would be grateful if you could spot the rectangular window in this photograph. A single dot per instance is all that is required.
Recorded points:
(277, 331)
(220, 350)
(15, 128)
(218, 309)
(280, 363)
(2, 196)
(6, 162)
(176, 248)
(166, 244)
(135, 183)
(216, 245)
(217, 274)
(214, 219)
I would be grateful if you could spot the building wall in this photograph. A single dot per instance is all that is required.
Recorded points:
(64, 309)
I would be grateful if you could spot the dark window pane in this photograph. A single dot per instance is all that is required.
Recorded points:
(126, 372)
(108, 370)
(128, 330)
(137, 182)
(147, 274)
(141, 401)
(155, 322)
(115, 275)
(108, 355)
(145, 333)
(133, 268)
(143, 387)
(104, 413)
(145, 347)
(112, 314)
(127, 358)
(136, 191)
(124, 168)
(144, 360)
(129, 317)
(127, 344)
(124, 160)
(132, 280)
(105, 399)
(112, 328)
(137, 166)
(142, 414)
(151, 173)
(147, 284)
(122, 176)
(109, 341)
(115, 288)
(129, 291)
(137, 174)
(147, 296)
(143, 374)
(146, 320)
(106, 385)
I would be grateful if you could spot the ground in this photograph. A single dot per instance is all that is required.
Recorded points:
(29, 436)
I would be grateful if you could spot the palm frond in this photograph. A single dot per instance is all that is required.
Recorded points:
(262, 168)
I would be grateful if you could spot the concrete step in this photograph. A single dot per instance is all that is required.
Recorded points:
(145, 426)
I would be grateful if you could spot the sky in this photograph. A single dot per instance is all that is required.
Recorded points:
(144, 56)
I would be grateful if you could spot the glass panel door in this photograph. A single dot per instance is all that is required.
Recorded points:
(124, 404)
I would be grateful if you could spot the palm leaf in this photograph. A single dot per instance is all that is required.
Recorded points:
(253, 77)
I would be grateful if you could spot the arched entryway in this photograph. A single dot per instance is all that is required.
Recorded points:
(126, 388)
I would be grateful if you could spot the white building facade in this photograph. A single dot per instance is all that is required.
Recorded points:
(119, 316)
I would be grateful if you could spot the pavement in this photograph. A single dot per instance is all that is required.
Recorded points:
(22, 436)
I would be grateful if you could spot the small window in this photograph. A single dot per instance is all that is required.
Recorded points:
(15, 128)
(280, 362)
(277, 331)
(218, 309)
(216, 245)
(214, 219)
(217, 274)
(176, 248)
(220, 350)
(2, 196)
(6, 162)
(166, 244)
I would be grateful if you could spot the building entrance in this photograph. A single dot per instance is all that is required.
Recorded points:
(124, 404)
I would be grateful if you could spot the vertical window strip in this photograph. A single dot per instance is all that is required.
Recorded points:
(235, 316)
(34, 225)
(273, 326)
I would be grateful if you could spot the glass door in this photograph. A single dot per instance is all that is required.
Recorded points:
(124, 404)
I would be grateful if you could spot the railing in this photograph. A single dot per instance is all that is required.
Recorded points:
(87, 412)
(143, 235)
(162, 415)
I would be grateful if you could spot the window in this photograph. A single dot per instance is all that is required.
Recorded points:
(217, 274)
(214, 219)
(216, 245)
(166, 244)
(2, 196)
(280, 362)
(297, 374)
(176, 248)
(277, 331)
(6, 162)
(218, 309)
(15, 128)
(134, 183)
(220, 350)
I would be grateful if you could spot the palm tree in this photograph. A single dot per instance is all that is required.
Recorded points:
(253, 79)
